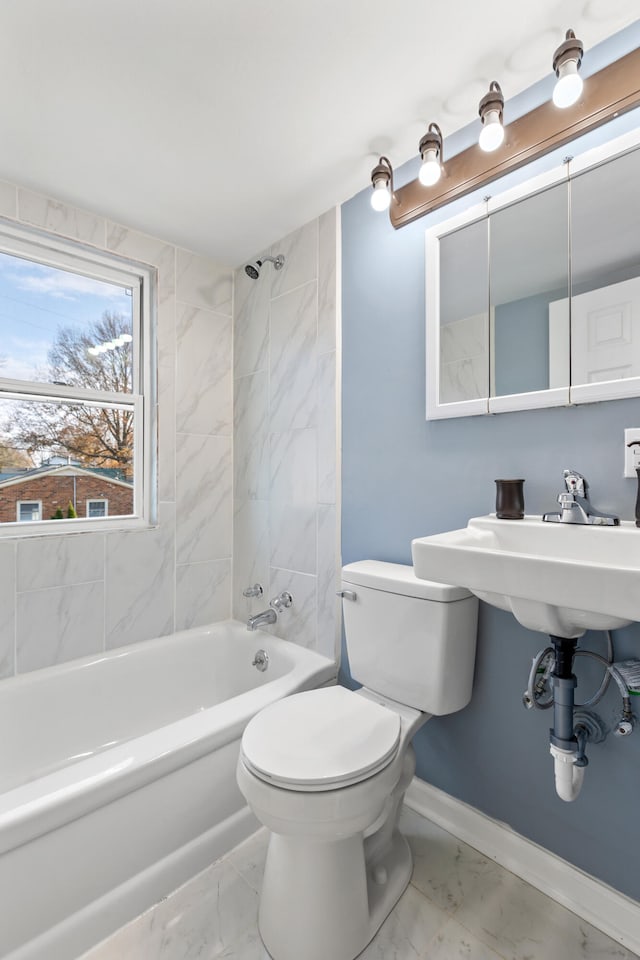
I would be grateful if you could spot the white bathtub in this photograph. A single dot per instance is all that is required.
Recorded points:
(117, 778)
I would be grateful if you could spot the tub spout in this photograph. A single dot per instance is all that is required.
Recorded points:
(261, 619)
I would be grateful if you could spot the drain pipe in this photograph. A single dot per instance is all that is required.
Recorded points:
(569, 760)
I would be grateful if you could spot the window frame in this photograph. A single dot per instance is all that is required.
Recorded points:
(96, 263)
(91, 500)
(19, 503)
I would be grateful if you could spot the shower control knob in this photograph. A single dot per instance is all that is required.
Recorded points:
(261, 660)
(281, 602)
(254, 591)
(623, 728)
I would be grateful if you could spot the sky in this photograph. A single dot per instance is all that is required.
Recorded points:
(35, 301)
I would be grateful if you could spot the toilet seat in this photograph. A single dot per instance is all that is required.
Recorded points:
(320, 740)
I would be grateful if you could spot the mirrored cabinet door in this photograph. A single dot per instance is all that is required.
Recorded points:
(464, 314)
(529, 273)
(605, 264)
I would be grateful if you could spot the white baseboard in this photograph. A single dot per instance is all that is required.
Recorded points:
(600, 905)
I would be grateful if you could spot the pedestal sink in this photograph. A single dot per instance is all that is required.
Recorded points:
(558, 578)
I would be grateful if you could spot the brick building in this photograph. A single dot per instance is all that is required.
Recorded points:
(37, 494)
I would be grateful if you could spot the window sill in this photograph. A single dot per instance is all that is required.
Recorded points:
(63, 528)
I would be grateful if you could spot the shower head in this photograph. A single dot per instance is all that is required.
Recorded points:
(253, 269)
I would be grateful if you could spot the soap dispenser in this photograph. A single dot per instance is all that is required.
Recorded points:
(636, 443)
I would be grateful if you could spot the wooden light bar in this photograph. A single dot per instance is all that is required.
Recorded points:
(612, 91)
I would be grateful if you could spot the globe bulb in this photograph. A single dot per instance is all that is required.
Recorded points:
(569, 86)
(430, 171)
(380, 197)
(492, 133)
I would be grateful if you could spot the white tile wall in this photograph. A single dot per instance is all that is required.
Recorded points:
(59, 623)
(57, 217)
(204, 379)
(202, 592)
(7, 608)
(203, 497)
(293, 372)
(286, 532)
(69, 596)
(251, 437)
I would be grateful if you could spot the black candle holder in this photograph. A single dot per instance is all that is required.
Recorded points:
(509, 499)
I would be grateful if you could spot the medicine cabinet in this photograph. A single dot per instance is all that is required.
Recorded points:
(533, 296)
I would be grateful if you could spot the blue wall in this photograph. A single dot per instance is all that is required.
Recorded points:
(405, 477)
(522, 344)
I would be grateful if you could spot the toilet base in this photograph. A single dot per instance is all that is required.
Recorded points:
(322, 900)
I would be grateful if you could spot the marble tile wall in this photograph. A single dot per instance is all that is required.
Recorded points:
(68, 596)
(464, 367)
(286, 533)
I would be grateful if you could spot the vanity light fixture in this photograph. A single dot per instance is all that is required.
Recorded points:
(609, 92)
(566, 64)
(490, 109)
(382, 182)
(430, 149)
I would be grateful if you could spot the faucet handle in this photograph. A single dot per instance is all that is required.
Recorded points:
(254, 591)
(575, 482)
(282, 601)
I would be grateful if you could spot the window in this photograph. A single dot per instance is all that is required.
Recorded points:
(29, 510)
(76, 381)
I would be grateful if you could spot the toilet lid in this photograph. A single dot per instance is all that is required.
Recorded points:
(320, 739)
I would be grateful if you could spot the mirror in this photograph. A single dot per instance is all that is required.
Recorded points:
(464, 327)
(524, 278)
(605, 255)
(533, 297)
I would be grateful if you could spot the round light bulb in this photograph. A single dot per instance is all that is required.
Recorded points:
(569, 85)
(492, 133)
(110, 345)
(126, 337)
(94, 351)
(430, 171)
(380, 197)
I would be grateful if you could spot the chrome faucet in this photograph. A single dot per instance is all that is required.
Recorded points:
(276, 606)
(262, 619)
(575, 506)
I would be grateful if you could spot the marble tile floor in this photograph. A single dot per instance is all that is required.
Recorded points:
(458, 906)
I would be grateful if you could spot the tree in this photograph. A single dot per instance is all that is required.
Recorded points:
(96, 436)
(12, 459)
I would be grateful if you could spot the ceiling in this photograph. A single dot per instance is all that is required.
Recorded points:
(222, 126)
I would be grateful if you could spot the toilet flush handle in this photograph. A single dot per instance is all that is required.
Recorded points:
(347, 594)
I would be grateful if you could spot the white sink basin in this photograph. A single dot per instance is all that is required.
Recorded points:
(558, 578)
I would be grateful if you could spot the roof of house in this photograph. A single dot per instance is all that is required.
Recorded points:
(110, 474)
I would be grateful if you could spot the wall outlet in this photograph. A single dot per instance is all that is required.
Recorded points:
(631, 454)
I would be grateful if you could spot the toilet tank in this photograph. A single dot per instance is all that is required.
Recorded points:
(411, 640)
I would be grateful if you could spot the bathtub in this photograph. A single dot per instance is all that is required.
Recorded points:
(117, 778)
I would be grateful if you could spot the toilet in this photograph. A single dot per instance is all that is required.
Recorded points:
(326, 770)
